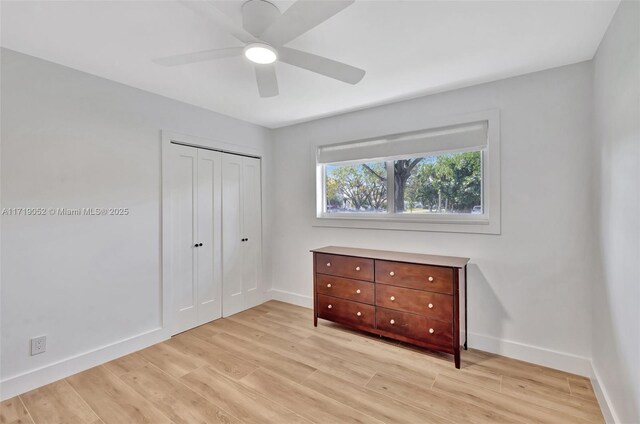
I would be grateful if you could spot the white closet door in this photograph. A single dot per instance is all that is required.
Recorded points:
(209, 231)
(233, 296)
(183, 205)
(251, 231)
(195, 236)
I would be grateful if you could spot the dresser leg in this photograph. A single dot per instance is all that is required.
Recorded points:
(315, 320)
(456, 357)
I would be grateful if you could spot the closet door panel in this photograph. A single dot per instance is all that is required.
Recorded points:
(252, 230)
(232, 256)
(209, 275)
(183, 227)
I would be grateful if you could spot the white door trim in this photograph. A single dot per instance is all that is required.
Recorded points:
(165, 196)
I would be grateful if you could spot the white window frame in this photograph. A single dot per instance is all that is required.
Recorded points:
(486, 223)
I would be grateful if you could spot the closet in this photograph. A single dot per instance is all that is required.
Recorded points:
(214, 234)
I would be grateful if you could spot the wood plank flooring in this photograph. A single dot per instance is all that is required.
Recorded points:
(270, 365)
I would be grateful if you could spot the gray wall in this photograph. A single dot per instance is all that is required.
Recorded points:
(530, 287)
(616, 297)
(70, 139)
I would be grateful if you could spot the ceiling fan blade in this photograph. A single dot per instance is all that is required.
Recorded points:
(267, 80)
(300, 18)
(203, 56)
(321, 65)
(206, 8)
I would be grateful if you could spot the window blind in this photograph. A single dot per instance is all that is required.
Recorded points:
(414, 144)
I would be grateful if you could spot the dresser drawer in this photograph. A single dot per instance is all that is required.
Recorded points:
(345, 311)
(345, 288)
(416, 327)
(415, 276)
(345, 266)
(433, 305)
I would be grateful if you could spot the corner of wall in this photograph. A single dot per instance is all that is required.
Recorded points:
(603, 398)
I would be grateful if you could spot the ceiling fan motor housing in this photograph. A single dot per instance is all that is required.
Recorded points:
(258, 15)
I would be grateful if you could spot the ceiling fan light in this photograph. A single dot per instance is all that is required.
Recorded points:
(262, 54)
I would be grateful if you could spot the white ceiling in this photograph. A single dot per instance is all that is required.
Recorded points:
(408, 48)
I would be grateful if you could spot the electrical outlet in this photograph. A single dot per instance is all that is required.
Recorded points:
(38, 345)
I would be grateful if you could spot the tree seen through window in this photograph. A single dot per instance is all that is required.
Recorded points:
(447, 183)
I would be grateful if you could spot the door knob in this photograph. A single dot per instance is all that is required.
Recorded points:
(197, 245)
(200, 245)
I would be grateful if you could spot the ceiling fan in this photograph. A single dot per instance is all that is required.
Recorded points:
(265, 32)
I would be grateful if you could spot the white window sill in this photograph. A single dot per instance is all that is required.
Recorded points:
(442, 223)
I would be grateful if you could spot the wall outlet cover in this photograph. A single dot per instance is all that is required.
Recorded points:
(38, 345)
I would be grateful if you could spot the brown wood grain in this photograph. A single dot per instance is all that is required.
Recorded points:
(270, 365)
(415, 326)
(58, 402)
(415, 276)
(433, 305)
(113, 400)
(346, 288)
(387, 255)
(345, 266)
(345, 311)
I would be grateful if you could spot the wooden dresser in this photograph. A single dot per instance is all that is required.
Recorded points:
(414, 298)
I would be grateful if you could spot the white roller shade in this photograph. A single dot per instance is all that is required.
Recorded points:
(414, 144)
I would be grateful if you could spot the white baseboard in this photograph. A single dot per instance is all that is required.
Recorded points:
(536, 355)
(289, 297)
(30, 380)
(604, 401)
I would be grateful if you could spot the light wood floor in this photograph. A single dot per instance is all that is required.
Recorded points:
(270, 365)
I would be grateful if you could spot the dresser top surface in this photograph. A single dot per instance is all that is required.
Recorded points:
(416, 258)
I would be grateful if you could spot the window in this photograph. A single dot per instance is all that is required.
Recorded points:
(447, 183)
(356, 188)
(433, 179)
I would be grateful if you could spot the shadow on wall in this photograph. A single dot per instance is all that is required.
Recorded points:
(608, 371)
(485, 311)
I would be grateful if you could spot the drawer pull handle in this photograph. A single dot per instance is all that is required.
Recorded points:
(357, 268)
(392, 298)
(430, 278)
(430, 305)
(393, 321)
(431, 331)
(329, 306)
(358, 291)
(328, 263)
(329, 285)
(392, 273)
(359, 314)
